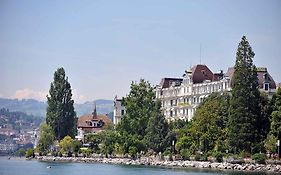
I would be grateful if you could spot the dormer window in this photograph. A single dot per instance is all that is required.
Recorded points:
(266, 86)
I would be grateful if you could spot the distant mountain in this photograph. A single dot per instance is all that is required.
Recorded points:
(37, 108)
(103, 107)
(29, 106)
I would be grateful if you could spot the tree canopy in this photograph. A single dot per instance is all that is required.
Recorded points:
(61, 116)
(244, 104)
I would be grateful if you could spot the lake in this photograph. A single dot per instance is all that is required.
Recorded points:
(17, 166)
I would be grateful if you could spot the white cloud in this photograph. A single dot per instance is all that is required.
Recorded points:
(41, 95)
(78, 98)
(30, 94)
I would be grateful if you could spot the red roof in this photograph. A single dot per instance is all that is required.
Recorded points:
(83, 120)
(263, 76)
(201, 73)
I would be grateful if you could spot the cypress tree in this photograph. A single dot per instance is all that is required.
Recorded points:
(61, 116)
(245, 109)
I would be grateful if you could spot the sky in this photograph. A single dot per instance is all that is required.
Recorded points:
(105, 45)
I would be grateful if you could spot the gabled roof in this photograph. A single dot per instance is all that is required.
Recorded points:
(201, 73)
(82, 121)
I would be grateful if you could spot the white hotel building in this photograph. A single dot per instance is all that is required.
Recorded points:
(181, 96)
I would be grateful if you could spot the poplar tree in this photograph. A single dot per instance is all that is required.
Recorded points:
(61, 116)
(245, 109)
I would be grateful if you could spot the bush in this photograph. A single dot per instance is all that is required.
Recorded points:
(185, 154)
(29, 153)
(133, 151)
(218, 156)
(197, 157)
(259, 158)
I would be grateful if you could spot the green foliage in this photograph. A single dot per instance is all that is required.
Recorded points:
(276, 114)
(29, 153)
(185, 154)
(245, 110)
(13, 118)
(133, 151)
(143, 123)
(76, 146)
(86, 152)
(66, 145)
(61, 116)
(20, 152)
(94, 140)
(140, 106)
(46, 139)
(270, 143)
(259, 158)
(157, 131)
(219, 156)
(208, 127)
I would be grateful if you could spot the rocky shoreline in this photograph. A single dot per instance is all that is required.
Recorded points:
(271, 168)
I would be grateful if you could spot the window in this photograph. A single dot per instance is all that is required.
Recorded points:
(171, 113)
(122, 112)
(171, 103)
(266, 86)
(175, 112)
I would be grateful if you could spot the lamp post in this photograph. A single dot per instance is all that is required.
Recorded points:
(278, 148)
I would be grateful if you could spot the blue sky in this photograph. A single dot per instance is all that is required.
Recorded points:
(105, 45)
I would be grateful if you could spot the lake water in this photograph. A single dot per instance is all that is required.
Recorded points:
(16, 166)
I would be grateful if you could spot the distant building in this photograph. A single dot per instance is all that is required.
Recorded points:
(119, 110)
(91, 123)
(7, 147)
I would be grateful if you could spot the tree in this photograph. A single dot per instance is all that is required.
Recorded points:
(209, 124)
(66, 145)
(157, 130)
(29, 153)
(46, 139)
(244, 103)
(270, 144)
(61, 116)
(275, 128)
(20, 152)
(140, 106)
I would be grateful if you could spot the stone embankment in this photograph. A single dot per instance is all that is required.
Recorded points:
(180, 164)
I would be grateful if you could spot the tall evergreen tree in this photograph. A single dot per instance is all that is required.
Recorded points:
(245, 109)
(61, 116)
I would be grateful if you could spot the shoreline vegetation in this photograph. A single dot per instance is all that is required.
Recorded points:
(150, 161)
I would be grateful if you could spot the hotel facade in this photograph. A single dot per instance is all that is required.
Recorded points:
(181, 96)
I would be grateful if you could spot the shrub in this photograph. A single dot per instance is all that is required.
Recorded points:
(218, 156)
(259, 158)
(185, 154)
(29, 153)
(133, 151)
